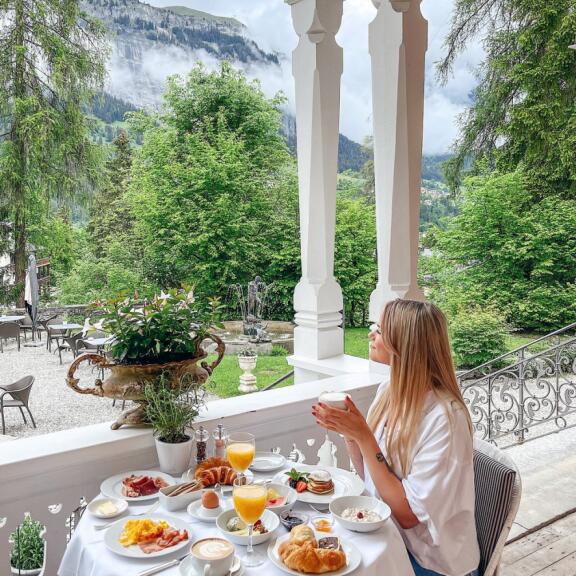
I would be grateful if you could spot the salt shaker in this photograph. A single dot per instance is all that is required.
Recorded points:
(202, 436)
(220, 436)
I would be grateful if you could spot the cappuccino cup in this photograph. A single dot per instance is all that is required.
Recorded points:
(213, 556)
(334, 399)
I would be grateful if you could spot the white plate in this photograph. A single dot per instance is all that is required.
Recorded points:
(267, 462)
(121, 507)
(195, 509)
(112, 537)
(112, 487)
(189, 475)
(353, 556)
(345, 484)
(187, 567)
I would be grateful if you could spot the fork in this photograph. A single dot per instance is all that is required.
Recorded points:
(144, 513)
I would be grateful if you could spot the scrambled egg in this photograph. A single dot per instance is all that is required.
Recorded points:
(137, 531)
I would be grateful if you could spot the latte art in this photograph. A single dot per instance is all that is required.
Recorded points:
(212, 549)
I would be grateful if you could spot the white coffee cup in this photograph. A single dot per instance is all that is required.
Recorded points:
(334, 399)
(213, 556)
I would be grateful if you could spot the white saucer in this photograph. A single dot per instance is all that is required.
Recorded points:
(121, 507)
(186, 567)
(267, 462)
(196, 510)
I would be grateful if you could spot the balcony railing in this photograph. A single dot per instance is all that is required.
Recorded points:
(49, 476)
(530, 398)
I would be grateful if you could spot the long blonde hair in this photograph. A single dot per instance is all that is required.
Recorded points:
(416, 336)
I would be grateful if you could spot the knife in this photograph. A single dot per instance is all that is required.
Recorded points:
(162, 567)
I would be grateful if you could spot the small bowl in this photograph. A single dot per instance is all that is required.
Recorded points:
(269, 519)
(289, 493)
(121, 507)
(323, 523)
(338, 505)
(289, 525)
(172, 503)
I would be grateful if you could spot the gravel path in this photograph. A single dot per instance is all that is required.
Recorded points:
(53, 405)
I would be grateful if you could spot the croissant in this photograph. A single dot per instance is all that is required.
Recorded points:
(210, 463)
(309, 559)
(218, 475)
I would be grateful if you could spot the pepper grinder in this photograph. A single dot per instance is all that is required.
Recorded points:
(202, 436)
(220, 436)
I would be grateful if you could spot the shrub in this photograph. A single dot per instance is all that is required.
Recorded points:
(27, 545)
(279, 351)
(477, 336)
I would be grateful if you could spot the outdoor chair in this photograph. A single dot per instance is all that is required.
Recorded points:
(43, 325)
(52, 334)
(73, 343)
(16, 395)
(498, 490)
(27, 325)
(9, 330)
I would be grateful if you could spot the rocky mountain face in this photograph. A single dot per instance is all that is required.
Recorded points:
(149, 44)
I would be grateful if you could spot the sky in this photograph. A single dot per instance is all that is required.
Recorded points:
(269, 23)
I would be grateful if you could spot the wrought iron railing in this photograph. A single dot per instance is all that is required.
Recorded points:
(526, 399)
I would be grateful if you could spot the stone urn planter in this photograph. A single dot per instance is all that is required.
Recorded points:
(127, 381)
(247, 363)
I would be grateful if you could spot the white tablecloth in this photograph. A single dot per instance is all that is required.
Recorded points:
(383, 551)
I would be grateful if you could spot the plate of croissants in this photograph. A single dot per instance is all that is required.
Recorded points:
(214, 471)
(304, 551)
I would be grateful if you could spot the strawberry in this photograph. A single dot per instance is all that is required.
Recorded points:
(301, 486)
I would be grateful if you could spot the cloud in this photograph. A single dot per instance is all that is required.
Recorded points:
(269, 24)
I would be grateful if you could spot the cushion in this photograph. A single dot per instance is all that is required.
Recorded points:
(494, 483)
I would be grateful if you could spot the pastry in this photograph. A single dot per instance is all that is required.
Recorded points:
(320, 482)
(301, 553)
(219, 475)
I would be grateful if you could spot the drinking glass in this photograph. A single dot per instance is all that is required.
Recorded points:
(250, 503)
(240, 451)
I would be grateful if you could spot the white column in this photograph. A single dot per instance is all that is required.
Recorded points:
(317, 68)
(398, 37)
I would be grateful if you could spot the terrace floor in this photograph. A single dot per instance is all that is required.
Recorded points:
(546, 552)
(54, 406)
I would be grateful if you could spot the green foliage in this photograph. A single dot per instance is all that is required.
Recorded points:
(51, 61)
(279, 351)
(27, 545)
(523, 112)
(169, 327)
(213, 191)
(507, 252)
(477, 336)
(169, 412)
(355, 262)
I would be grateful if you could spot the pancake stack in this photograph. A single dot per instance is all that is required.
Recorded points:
(320, 482)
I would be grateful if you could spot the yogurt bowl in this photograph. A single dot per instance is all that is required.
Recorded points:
(360, 513)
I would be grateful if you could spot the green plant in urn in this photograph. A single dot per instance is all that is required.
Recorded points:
(150, 338)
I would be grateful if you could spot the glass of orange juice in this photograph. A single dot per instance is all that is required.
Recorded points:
(250, 503)
(240, 451)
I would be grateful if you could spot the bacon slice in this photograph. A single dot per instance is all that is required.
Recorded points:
(169, 538)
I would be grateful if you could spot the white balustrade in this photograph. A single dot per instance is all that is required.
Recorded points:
(48, 475)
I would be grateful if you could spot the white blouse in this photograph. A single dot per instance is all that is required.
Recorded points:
(440, 491)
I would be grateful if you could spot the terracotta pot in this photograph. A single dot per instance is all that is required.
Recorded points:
(127, 381)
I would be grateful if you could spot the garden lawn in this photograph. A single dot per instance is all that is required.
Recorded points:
(226, 377)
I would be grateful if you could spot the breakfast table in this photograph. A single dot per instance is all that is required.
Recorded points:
(383, 551)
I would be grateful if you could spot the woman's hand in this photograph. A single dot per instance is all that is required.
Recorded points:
(350, 423)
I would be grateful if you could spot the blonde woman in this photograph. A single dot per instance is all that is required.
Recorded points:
(415, 449)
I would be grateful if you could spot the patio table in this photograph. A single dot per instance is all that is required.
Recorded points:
(98, 342)
(11, 318)
(71, 326)
(383, 551)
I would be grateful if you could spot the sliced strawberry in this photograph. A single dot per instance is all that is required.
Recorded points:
(301, 486)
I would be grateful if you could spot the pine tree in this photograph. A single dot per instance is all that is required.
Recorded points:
(524, 108)
(110, 215)
(51, 62)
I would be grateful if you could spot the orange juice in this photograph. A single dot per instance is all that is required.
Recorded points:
(240, 455)
(250, 502)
